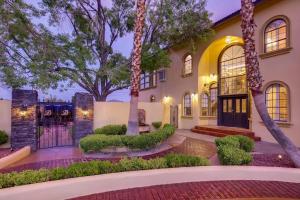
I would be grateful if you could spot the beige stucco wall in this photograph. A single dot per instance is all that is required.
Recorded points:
(118, 112)
(283, 68)
(5, 118)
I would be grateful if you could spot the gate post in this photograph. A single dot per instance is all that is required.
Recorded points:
(84, 116)
(24, 119)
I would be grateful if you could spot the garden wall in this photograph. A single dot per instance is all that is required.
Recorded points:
(5, 117)
(117, 113)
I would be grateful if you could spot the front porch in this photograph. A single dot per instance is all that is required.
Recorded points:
(222, 131)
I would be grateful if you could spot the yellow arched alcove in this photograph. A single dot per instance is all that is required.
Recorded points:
(208, 65)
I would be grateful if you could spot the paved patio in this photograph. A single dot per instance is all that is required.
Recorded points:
(206, 190)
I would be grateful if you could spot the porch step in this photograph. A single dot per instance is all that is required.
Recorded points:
(222, 131)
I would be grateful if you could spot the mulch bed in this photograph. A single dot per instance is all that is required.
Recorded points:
(272, 160)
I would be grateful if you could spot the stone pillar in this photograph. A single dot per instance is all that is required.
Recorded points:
(84, 116)
(24, 119)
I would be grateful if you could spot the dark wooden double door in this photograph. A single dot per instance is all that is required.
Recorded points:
(233, 111)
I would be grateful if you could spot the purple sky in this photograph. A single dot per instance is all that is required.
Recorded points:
(219, 8)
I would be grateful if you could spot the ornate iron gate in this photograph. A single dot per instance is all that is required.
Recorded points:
(55, 124)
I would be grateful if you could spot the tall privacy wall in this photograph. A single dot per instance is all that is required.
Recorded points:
(84, 112)
(5, 118)
(117, 113)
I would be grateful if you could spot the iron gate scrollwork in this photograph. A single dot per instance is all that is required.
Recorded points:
(55, 124)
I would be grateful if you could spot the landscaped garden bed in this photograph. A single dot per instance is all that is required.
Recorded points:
(98, 167)
(112, 139)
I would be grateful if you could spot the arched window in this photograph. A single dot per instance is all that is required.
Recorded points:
(187, 65)
(187, 104)
(204, 104)
(213, 94)
(275, 35)
(233, 71)
(277, 102)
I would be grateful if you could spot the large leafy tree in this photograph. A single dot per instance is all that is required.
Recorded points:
(255, 81)
(169, 24)
(36, 51)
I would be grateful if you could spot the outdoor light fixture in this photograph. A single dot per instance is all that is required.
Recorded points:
(85, 112)
(279, 156)
(23, 111)
(228, 40)
(166, 99)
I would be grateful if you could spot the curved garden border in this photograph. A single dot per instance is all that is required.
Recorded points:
(70, 188)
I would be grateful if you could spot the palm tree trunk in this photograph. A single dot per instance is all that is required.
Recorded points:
(255, 82)
(133, 126)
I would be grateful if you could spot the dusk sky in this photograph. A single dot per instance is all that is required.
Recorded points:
(219, 9)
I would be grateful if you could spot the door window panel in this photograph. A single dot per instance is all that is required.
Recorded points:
(244, 105)
(224, 105)
(229, 105)
(237, 105)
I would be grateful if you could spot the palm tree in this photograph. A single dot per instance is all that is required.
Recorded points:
(133, 126)
(255, 82)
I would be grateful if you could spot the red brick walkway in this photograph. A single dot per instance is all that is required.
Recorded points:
(205, 190)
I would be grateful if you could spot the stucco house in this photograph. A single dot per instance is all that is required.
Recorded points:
(209, 86)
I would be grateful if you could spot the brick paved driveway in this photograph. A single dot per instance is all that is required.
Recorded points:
(205, 190)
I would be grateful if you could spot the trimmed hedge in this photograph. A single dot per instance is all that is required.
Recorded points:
(234, 150)
(237, 141)
(97, 142)
(230, 155)
(98, 167)
(156, 125)
(3, 137)
(112, 130)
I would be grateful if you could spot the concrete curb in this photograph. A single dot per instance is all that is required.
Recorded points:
(69, 188)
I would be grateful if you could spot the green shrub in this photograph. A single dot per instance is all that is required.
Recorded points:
(180, 160)
(233, 150)
(229, 141)
(246, 143)
(97, 167)
(97, 142)
(3, 137)
(229, 155)
(112, 130)
(156, 125)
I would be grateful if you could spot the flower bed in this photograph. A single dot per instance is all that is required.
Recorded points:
(97, 142)
(98, 167)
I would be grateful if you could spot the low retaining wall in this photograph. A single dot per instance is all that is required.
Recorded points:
(75, 187)
(15, 157)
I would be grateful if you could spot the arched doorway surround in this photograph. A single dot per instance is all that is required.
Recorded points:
(233, 98)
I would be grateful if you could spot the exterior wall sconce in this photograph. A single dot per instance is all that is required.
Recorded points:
(23, 111)
(152, 98)
(228, 40)
(85, 112)
(166, 99)
(211, 78)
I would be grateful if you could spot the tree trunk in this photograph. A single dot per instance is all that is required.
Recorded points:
(255, 81)
(133, 126)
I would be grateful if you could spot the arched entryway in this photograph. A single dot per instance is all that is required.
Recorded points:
(233, 98)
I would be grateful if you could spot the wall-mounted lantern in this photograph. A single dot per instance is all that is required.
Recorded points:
(23, 111)
(85, 112)
(152, 98)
